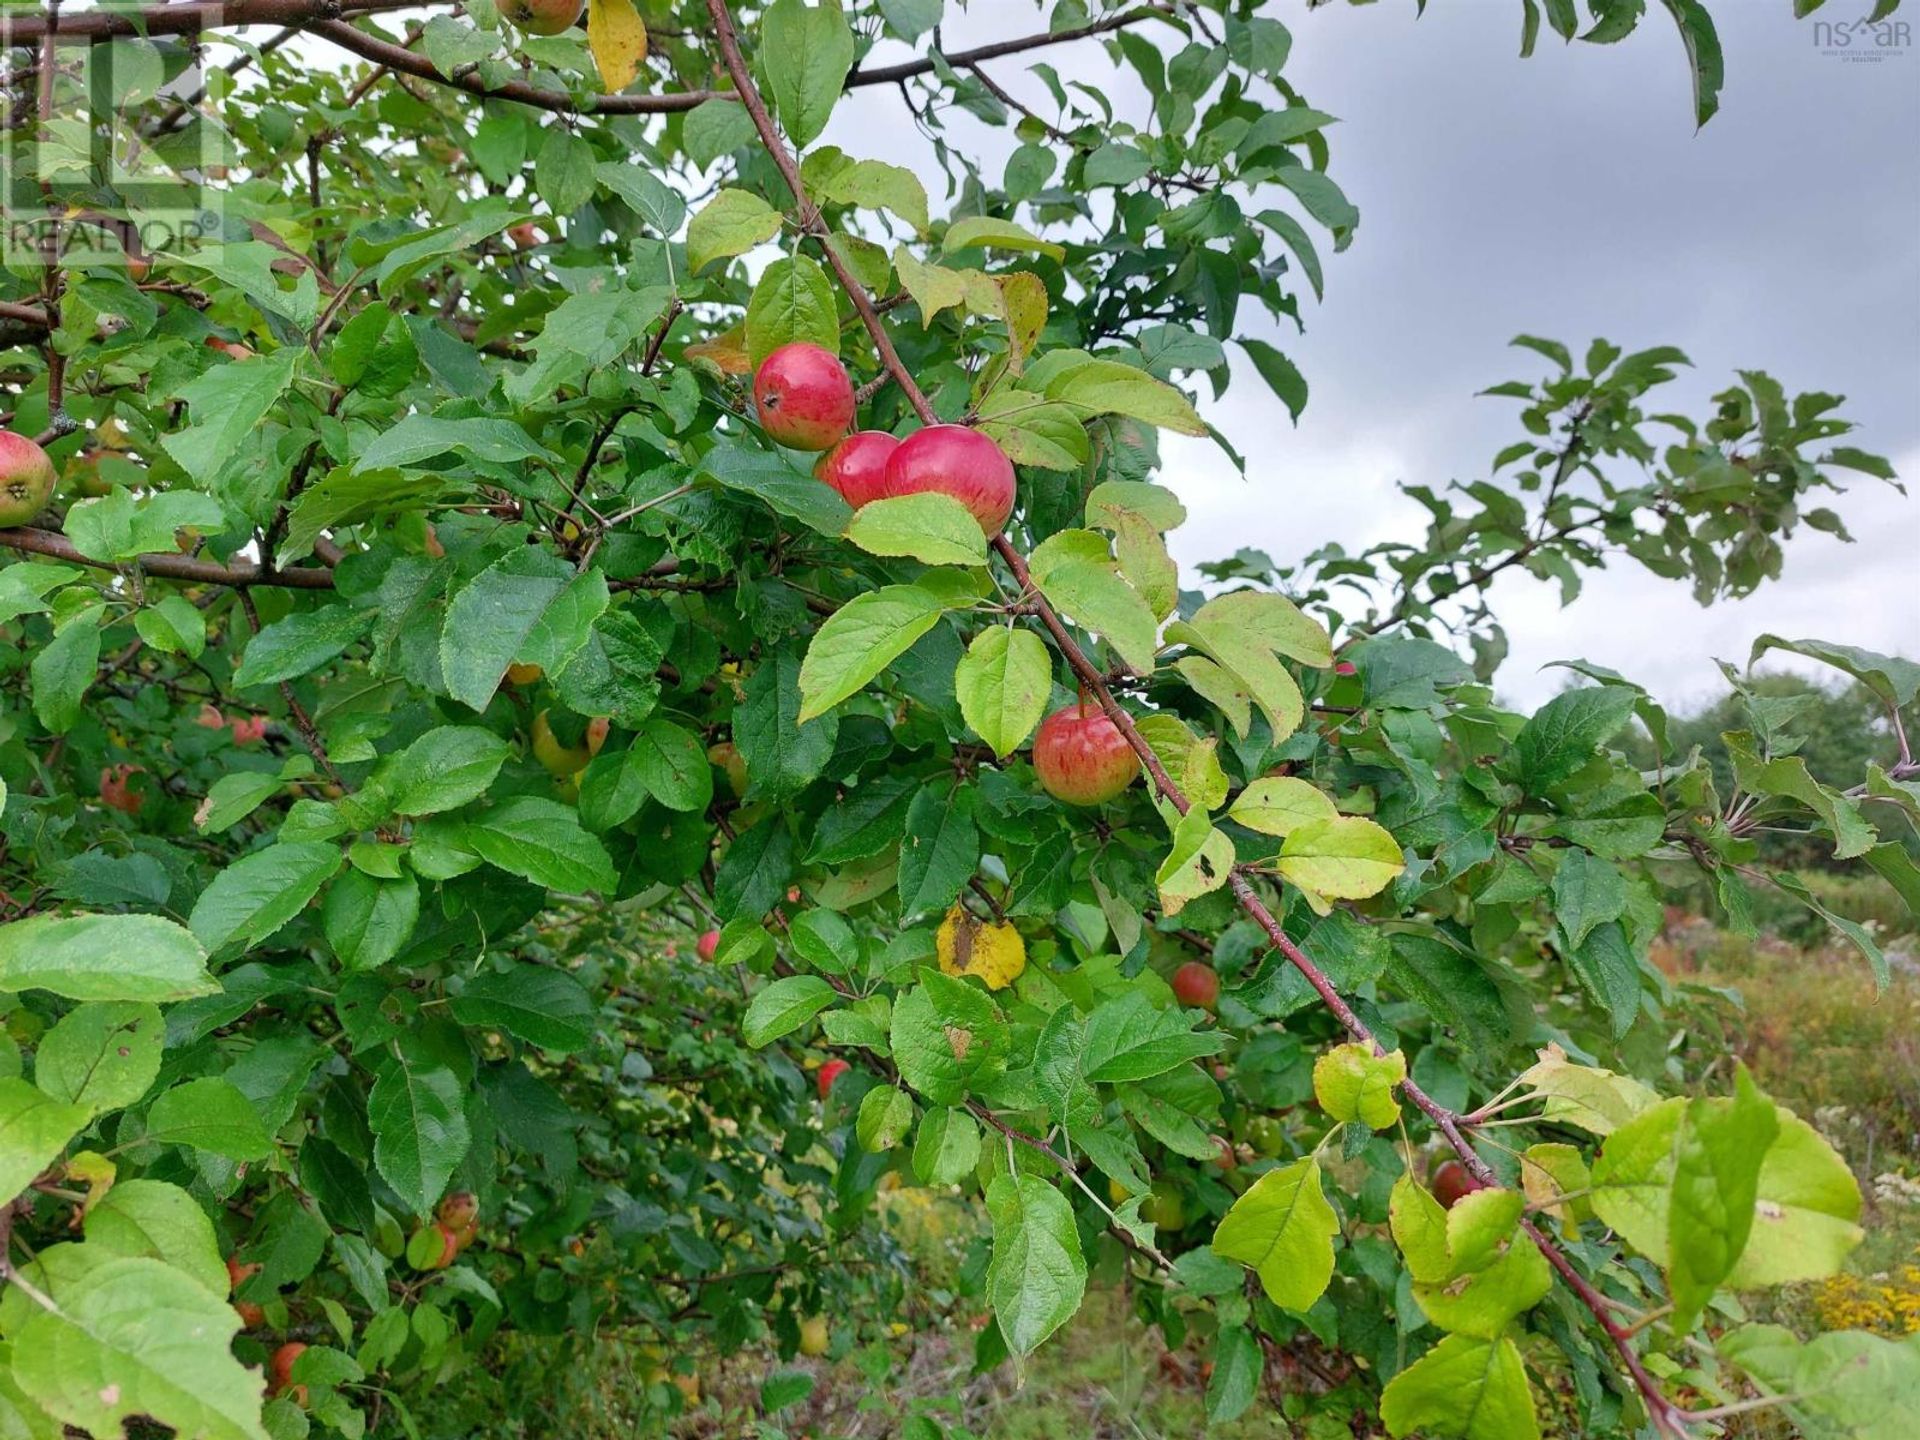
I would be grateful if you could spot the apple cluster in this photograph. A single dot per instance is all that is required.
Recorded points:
(806, 402)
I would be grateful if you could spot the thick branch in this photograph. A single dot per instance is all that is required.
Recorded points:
(169, 566)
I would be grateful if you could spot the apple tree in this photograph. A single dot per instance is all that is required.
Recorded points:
(439, 622)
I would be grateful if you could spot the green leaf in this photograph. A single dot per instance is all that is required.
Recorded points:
(64, 668)
(34, 1130)
(805, 52)
(1037, 1275)
(792, 301)
(770, 476)
(932, 528)
(1847, 1385)
(1246, 633)
(419, 1126)
(732, 223)
(162, 1222)
(1586, 892)
(536, 1003)
(101, 1056)
(988, 233)
(1703, 54)
(425, 437)
(714, 128)
(1283, 1228)
(1108, 387)
(783, 1007)
(1564, 733)
(119, 526)
(939, 855)
(885, 1116)
(1345, 858)
(1419, 1226)
(543, 841)
(670, 763)
(444, 769)
(1238, 1366)
(945, 1034)
(104, 957)
(301, 644)
(1716, 1177)
(832, 178)
(1465, 1388)
(1130, 1038)
(1353, 1083)
(235, 796)
(861, 639)
(1002, 683)
(259, 893)
(1804, 1217)
(783, 755)
(492, 617)
(1788, 778)
(1283, 377)
(1077, 572)
(226, 404)
(1596, 1100)
(1893, 680)
(1608, 970)
(136, 1337)
(947, 1146)
(209, 1114)
(368, 919)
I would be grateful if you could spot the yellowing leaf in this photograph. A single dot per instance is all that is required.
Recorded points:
(1283, 1229)
(618, 38)
(1279, 804)
(1345, 858)
(1353, 1083)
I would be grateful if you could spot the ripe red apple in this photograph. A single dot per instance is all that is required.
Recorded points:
(543, 17)
(233, 349)
(1081, 757)
(857, 466)
(1195, 983)
(804, 397)
(830, 1072)
(1345, 667)
(955, 460)
(708, 945)
(250, 731)
(116, 789)
(280, 1369)
(27, 478)
(1452, 1183)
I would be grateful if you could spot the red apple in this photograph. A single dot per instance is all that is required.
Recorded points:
(116, 789)
(955, 460)
(1195, 983)
(1345, 667)
(1452, 1183)
(1081, 757)
(857, 466)
(458, 1210)
(280, 1368)
(27, 478)
(804, 397)
(830, 1072)
(210, 718)
(250, 731)
(708, 945)
(543, 17)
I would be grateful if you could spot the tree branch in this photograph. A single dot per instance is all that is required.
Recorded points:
(170, 566)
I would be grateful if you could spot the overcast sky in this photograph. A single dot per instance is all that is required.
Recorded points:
(1567, 195)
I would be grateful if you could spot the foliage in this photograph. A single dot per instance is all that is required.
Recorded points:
(444, 628)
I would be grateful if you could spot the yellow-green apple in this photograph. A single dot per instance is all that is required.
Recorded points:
(543, 17)
(27, 478)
